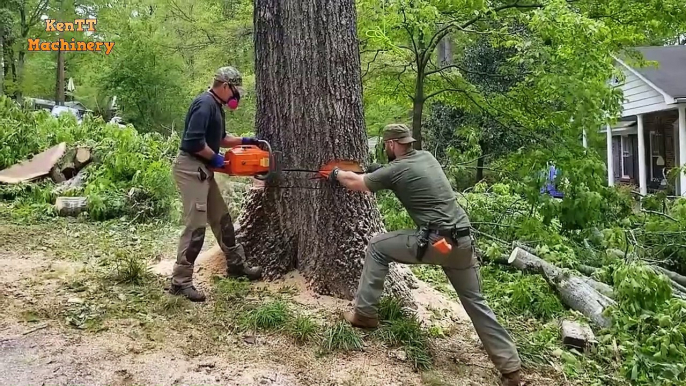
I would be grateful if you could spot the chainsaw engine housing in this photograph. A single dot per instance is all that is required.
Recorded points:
(247, 161)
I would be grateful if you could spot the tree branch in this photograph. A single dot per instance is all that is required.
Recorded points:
(409, 33)
(441, 33)
(442, 91)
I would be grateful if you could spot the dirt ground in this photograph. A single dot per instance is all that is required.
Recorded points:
(40, 348)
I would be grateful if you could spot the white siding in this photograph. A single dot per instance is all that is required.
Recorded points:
(640, 97)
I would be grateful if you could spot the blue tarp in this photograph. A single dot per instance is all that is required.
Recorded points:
(549, 187)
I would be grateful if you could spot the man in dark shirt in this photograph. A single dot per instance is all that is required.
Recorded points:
(204, 133)
(420, 184)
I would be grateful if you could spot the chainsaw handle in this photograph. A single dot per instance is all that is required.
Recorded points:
(263, 177)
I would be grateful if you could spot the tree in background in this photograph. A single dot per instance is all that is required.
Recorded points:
(6, 22)
(566, 51)
(309, 106)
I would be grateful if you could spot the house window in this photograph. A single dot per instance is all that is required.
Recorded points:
(626, 159)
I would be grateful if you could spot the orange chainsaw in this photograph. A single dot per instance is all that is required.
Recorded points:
(252, 161)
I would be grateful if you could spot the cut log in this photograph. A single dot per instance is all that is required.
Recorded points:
(56, 175)
(574, 291)
(70, 206)
(73, 183)
(69, 170)
(576, 335)
(82, 157)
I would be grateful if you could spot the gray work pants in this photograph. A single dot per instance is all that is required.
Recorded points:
(461, 267)
(202, 204)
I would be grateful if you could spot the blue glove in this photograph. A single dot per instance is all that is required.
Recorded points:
(250, 141)
(217, 161)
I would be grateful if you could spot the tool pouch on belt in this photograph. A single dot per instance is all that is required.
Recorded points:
(422, 242)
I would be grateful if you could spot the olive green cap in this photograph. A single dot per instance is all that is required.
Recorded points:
(398, 132)
(231, 76)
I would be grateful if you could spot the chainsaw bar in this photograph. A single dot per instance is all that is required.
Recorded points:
(325, 170)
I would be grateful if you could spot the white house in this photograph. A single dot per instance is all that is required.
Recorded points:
(650, 136)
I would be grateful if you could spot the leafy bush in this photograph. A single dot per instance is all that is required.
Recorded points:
(130, 175)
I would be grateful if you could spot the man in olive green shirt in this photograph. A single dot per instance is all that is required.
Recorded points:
(420, 184)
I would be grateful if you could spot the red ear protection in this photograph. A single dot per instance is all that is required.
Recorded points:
(232, 103)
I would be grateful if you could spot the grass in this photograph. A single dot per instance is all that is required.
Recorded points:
(341, 336)
(303, 329)
(130, 269)
(269, 316)
(401, 328)
(228, 289)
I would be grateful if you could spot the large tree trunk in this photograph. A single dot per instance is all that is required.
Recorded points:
(309, 106)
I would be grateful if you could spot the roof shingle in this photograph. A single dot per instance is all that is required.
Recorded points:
(670, 73)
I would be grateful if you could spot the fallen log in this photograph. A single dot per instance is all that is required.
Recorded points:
(574, 291)
(601, 287)
(71, 163)
(587, 269)
(681, 280)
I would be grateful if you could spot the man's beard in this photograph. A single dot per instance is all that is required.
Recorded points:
(390, 156)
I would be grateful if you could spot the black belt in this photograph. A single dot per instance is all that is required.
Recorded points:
(451, 233)
(454, 233)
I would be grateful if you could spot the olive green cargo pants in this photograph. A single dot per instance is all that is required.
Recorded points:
(461, 267)
(202, 203)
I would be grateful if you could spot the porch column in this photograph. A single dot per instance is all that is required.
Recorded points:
(610, 167)
(584, 140)
(643, 183)
(682, 148)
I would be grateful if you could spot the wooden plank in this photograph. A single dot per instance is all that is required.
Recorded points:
(38, 166)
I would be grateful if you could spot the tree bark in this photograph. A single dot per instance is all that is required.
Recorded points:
(479, 169)
(417, 109)
(2, 65)
(309, 107)
(59, 82)
(574, 291)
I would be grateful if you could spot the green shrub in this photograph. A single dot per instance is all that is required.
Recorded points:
(130, 175)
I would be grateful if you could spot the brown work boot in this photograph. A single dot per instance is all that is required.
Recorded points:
(243, 270)
(360, 321)
(512, 379)
(189, 292)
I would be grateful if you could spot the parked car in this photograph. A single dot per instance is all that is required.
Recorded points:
(58, 110)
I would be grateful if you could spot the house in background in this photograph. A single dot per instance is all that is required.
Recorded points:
(650, 137)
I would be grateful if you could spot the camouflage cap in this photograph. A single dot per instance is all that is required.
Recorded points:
(398, 132)
(231, 76)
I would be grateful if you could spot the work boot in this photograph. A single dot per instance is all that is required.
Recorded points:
(512, 379)
(243, 270)
(360, 321)
(189, 292)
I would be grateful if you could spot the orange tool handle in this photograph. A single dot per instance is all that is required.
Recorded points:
(442, 246)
